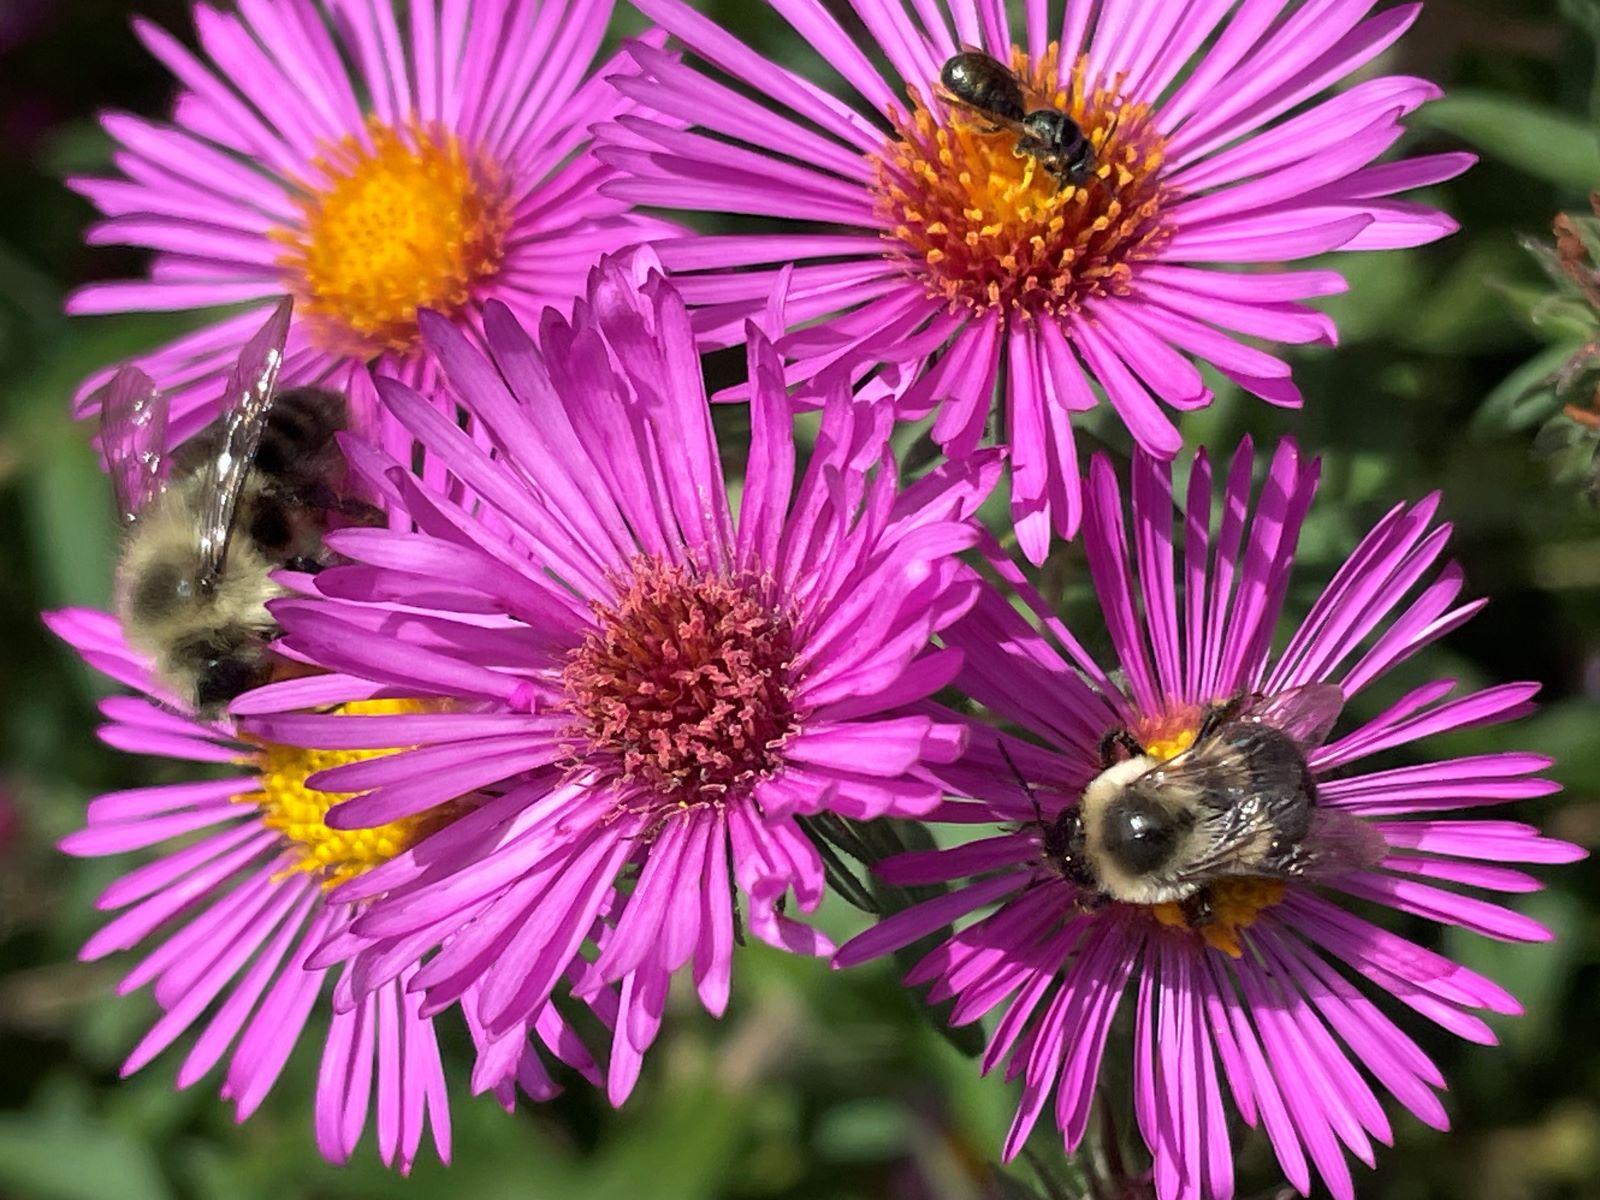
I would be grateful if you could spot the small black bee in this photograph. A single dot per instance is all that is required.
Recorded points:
(1241, 801)
(1060, 145)
(985, 85)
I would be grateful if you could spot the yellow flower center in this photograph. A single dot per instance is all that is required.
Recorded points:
(1166, 745)
(298, 812)
(414, 220)
(983, 224)
(1235, 905)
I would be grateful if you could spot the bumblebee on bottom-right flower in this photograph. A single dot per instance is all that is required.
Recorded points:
(1192, 819)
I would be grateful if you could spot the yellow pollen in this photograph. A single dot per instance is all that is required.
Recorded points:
(1170, 745)
(1168, 734)
(984, 225)
(414, 220)
(1235, 905)
(297, 811)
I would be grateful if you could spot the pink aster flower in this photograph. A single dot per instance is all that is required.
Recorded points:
(1266, 1000)
(659, 687)
(370, 165)
(928, 241)
(244, 894)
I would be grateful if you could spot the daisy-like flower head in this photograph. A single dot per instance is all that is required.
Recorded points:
(660, 689)
(371, 165)
(1270, 995)
(244, 894)
(929, 238)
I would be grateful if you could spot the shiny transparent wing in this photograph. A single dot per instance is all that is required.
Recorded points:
(133, 434)
(245, 405)
(1306, 713)
(1241, 818)
(1339, 842)
(1336, 844)
(973, 48)
(1245, 835)
(1016, 128)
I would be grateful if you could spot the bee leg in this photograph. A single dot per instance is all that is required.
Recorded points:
(323, 498)
(1197, 909)
(304, 562)
(1118, 739)
(1218, 715)
(1027, 788)
(359, 512)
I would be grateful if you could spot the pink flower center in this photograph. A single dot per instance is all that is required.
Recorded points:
(984, 225)
(685, 683)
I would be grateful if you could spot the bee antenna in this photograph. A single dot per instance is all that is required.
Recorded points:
(1038, 813)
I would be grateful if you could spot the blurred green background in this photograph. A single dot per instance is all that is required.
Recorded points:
(819, 1086)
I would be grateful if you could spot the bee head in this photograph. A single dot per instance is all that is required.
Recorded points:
(1141, 835)
(1067, 152)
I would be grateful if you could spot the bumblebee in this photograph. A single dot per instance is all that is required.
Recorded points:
(206, 525)
(1240, 801)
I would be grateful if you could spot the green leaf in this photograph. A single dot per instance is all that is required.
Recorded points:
(1456, 314)
(871, 842)
(1525, 397)
(1542, 142)
(684, 1151)
(840, 877)
(1586, 15)
(1542, 972)
(863, 1131)
(83, 1160)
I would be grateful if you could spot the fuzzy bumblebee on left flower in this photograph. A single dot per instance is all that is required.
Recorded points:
(328, 171)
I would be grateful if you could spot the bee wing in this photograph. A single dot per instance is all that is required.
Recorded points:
(1014, 127)
(1339, 842)
(133, 434)
(249, 396)
(1306, 713)
(1238, 828)
(1241, 831)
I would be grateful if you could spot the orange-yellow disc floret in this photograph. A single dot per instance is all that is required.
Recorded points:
(299, 812)
(406, 219)
(985, 226)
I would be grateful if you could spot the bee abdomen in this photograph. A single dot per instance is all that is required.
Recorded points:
(223, 662)
(271, 528)
(985, 83)
(297, 435)
(1274, 756)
